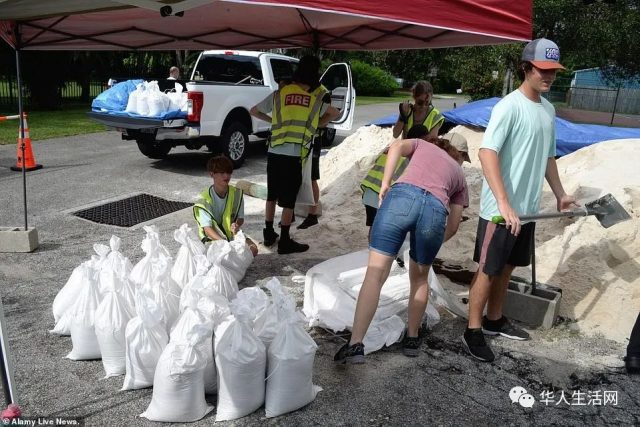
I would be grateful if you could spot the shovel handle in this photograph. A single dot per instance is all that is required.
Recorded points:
(498, 219)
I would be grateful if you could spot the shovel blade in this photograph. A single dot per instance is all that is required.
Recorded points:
(607, 210)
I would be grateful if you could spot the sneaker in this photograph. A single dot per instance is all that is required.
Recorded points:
(411, 345)
(290, 246)
(632, 364)
(505, 328)
(474, 343)
(350, 353)
(270, 236)
(308, 222)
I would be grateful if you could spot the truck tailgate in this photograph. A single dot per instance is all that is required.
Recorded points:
(126, 122)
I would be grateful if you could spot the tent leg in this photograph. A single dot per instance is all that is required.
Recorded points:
(22, 147)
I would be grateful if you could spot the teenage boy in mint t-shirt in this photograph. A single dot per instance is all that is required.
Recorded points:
(517, 154)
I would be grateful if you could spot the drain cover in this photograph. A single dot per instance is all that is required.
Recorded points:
(131, 211)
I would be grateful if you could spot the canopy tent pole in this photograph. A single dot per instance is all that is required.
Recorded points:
(22, 122)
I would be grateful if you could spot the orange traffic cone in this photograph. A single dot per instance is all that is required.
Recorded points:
(29, 160)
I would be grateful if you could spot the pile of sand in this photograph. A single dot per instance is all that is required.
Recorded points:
(598, 269)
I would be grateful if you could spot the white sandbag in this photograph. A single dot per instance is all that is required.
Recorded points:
(240, 257)
(116, 260)
(255, 298)
(382, 333)
(241, 361)
(290, 359)
(145, 337)
(112, 315)
(184, 266)
(82, 325)
(132, 102)
(178, 387)
(305, 193)
(141, 273)
(156, 103)
(191, 317)
(63, 325)
(223, 280)
(268, 322)
(67, 296)
(166, 291)
(142, 104)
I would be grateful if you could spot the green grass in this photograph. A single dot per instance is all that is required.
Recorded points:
(50, 124)
(396, 97)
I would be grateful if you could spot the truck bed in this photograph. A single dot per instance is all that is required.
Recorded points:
(126, 122)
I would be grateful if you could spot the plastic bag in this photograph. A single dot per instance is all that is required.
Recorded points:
(68, 295)
(241, 361)
(240, 257)
(115, 98)
(178, 387)
(145, 337)
(184, 266)
(112, 315)
(305, 193)
(382, 333)
(82, 323)
(166, 291)
(141, 272)
(290, 359)
(267, 323)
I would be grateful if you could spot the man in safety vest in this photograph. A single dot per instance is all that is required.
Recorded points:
(297, 111)
(219, 210)
(422, 113)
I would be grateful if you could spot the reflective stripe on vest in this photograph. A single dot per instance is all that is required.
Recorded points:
(295, 117)
(229, 215)
(433, 119)
(373, 180)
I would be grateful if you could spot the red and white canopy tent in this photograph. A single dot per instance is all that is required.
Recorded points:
(251, 24)
(264, 24)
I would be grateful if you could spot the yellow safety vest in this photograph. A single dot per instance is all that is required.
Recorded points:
(295, 117)
(229, 215)
(433, 119)
(373, 180)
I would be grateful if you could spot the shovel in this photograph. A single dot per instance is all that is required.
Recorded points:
(606, 209)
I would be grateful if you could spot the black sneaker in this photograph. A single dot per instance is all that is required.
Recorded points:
(473, 341)
(309, 221)
(504, 328)
(290, 246)
(411, 345)
(270, 236)
(350, 353)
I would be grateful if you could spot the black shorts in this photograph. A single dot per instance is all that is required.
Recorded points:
(497, 247)
(371, 214)
(284, 176)
(315, 160)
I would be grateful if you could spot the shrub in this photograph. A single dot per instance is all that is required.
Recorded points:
(372, 81)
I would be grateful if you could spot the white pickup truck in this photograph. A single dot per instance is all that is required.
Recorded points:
(223, 87)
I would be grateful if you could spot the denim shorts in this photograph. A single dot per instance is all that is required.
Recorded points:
(409, 209)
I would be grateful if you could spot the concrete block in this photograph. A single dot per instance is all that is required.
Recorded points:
(538, 308)
(17, 239)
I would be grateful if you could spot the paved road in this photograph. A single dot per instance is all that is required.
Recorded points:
(440, 387)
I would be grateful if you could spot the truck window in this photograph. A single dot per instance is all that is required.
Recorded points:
(282, 69)
(230, 69)
(335, 77)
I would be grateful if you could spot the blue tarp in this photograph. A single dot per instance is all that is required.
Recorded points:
(569, 136)
(114, 101)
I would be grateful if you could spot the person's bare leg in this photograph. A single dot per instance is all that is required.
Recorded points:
(498, 292)
(270, 210)
(418, 296)
(287, 216)
(478, 296)
(378, 269)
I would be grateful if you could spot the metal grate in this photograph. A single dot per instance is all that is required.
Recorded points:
(131, 211)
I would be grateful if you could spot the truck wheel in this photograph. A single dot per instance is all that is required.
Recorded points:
(152, 148)
(234, 142)
(328, 136)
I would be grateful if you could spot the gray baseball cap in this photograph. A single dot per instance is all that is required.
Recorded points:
(543, 54)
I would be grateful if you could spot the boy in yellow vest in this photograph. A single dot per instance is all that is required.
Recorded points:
(219, 210)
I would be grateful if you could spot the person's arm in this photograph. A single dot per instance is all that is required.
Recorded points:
(260, 110)
(404, 110)
(211, 233)
(434, 131)
(400, 148)
(235, 227)
(453, 221)
(491, 170)
(564, 201)
(332, 113)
